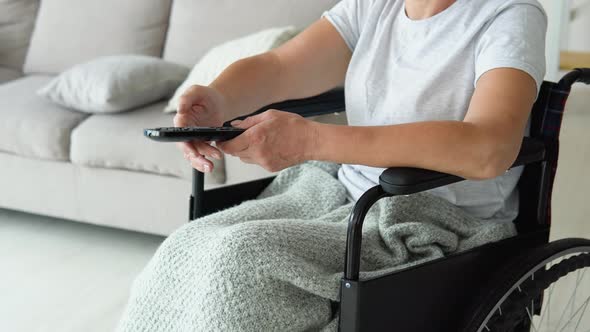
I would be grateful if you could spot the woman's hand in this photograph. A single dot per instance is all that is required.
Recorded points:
(274, 140)
(200, 106)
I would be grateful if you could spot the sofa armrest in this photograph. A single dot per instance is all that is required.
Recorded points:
(407, 180)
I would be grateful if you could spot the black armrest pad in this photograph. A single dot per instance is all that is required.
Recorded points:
(406, 180)
(326, 103)
(532, 150)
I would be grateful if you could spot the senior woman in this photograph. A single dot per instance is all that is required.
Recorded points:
(445, 85)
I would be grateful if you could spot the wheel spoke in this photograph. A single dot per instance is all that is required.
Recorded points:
(584, 304)
(548, 306)
(569, 302)
(549, 284)
(530, 313)
(581, 316)
(546, 310)
(579, 277)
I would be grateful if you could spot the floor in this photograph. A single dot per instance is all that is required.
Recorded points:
(63, 276)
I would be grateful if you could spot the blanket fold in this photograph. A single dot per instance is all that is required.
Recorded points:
(274, 264)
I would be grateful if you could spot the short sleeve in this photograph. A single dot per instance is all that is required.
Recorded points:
(514, 38)
(348, 18)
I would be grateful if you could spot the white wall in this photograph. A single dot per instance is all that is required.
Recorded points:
(555, 12)
(579, 28)
(563, 35)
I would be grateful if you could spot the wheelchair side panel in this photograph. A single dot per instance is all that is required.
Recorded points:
(432, 297)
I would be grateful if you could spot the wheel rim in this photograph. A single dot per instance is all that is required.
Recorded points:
(566, 301)
(565, 304)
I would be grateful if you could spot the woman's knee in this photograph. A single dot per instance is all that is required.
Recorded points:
(243, 244)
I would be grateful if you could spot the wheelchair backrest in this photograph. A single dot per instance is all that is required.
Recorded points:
(536, 182)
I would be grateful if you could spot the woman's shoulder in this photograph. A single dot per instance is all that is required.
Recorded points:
(494, 8)
(484, 13)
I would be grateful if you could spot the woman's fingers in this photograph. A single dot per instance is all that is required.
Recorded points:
(183, 120)
(199, 148)
(195, 153)
(235, 145)
(207, 150)
(201, 164)
(251, 121)
(193, 96)
(196, 109)
(242, 142)
(187, 149)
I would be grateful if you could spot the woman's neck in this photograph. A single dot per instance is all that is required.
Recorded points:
(422, 9)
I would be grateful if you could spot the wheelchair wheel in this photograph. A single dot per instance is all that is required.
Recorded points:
(552, 295)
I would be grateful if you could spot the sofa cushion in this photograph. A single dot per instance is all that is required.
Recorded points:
(8, 74)
(117, 141)
(69, 32)
(197, 26)
(220, 57)
(30, 126)
(115, 83)
(17, 18)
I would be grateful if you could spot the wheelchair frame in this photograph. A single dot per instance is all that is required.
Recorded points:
(405, 299)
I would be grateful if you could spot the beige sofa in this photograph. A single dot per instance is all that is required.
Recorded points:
(99, 169)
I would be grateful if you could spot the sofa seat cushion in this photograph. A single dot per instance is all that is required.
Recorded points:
(7, 74)
(116, 141)
(32, 127)
(197, 26)
(69, 32)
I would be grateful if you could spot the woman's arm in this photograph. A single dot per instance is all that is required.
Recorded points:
(482, 146)
(311, 63)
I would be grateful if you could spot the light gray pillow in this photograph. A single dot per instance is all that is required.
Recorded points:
(115, 83)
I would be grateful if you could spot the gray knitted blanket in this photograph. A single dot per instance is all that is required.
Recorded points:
(274, 264)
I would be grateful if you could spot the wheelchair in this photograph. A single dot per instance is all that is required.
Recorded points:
(504, 286)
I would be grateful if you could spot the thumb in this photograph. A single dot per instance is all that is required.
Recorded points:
(249, 121)
(191, 98)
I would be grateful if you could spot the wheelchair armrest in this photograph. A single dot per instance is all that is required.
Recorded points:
(325, 103)
(407, 180)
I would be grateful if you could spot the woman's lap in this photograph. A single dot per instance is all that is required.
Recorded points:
(274, 264)
(248, 259)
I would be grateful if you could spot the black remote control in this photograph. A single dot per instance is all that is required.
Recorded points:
(186, 134)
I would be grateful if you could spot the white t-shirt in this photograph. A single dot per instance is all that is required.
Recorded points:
(409, 71)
